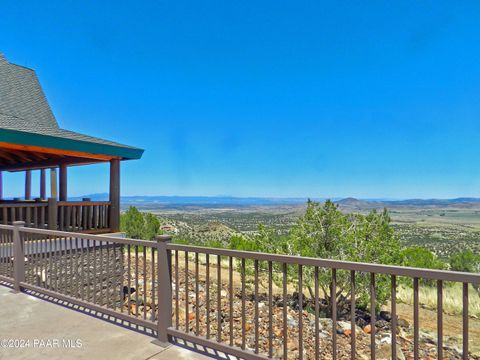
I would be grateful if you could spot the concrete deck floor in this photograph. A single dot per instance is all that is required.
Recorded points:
(48, 327)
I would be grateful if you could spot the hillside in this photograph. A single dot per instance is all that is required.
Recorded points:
(441, 228)
(201, 233)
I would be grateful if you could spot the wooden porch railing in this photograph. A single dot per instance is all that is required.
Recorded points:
(80, 216)
(236, 302)
(84, 216)
(35, 214)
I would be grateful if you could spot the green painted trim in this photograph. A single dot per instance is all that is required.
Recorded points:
(53, 142)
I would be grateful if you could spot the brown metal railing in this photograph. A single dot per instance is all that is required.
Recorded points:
(280, 333)
(247, 304)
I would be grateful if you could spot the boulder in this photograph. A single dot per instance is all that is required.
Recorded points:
(385, 315)
(343, 325)
(361, 322)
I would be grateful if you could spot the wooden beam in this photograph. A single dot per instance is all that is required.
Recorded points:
(36, 156)
(115, 195)
(22, 155)
(43, 185)
(30, 148)
(53, 183)
(28, 185)
(17, 156)
(46, 164)
(63, 182)
(8, 156)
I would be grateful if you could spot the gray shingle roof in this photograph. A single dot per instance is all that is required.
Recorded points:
(23, 106)
(18, 124)
(21, 96)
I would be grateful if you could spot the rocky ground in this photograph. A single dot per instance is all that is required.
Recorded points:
(428, 345)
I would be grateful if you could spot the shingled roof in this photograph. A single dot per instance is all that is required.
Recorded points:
(27, 119)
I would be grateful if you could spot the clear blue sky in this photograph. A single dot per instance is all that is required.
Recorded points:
(263, 98)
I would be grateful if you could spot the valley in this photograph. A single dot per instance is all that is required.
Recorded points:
(439, 225)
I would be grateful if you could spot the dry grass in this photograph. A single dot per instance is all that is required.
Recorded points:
(452, 298)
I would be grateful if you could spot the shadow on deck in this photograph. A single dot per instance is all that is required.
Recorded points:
(34, 326)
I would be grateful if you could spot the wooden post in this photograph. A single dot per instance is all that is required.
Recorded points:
(115, 195)
(53, 183)
(18, 256)
(52, 213)
(43, 185)
(63, 182)
(28, 184)
(164, 288)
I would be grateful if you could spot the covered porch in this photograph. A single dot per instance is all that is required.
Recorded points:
(52, 208)
(56, 212)
(31, 140)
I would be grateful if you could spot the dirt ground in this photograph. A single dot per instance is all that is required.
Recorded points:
(452, 325)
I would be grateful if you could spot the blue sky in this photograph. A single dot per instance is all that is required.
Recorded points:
(271, 98)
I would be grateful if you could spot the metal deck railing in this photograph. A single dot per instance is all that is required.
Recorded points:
(237, 302)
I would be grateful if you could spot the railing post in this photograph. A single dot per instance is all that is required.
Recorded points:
(114, 215)
(18, 255)
(52, 213)
(86, 214)
(164, 288)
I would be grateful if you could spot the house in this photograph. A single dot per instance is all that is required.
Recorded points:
(32, 140)
(171, 229)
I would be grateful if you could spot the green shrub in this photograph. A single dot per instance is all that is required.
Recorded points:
(465, 261)
(420, 257)
(138, 225)
(325, 232)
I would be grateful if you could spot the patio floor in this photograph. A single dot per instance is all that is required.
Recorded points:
(35, 328)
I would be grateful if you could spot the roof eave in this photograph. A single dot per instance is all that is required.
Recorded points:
(53, 142)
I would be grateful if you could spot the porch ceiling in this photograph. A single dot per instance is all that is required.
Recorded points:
(14, 157)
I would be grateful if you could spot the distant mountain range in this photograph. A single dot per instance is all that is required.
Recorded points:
(200, 200)
(251, 201)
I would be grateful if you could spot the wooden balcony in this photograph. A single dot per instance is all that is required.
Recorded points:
(86, 216)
